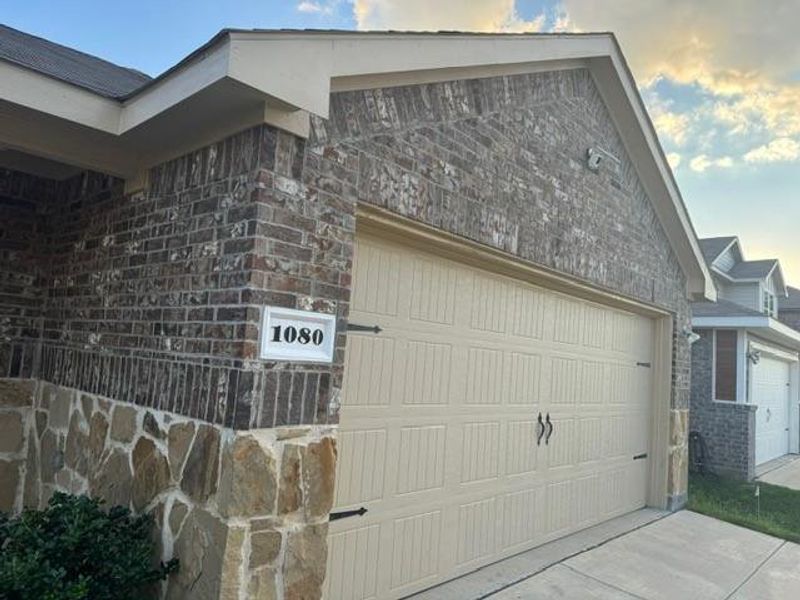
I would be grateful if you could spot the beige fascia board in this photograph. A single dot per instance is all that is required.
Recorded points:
(627, 110)
(294, 71)
(39, 92)
(50, 137)
(203, 71)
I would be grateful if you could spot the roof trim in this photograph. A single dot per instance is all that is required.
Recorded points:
(279, 77)
(764, 324)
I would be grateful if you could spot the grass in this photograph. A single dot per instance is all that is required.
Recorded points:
(734, 501)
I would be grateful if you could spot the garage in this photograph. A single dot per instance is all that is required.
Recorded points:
(487, 416)
(771, 386)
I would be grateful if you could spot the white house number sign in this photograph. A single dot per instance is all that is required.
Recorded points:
(297, 335)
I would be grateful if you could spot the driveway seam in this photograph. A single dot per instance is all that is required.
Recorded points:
(573, 555)
(757, 569)
(605, 583)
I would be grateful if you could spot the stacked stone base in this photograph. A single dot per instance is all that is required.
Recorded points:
(245, 512)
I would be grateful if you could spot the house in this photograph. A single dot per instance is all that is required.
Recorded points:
(789, 308)
(745, 364)
(348, 312)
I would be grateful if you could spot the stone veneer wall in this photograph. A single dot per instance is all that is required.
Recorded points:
(245, 512)
(728, 428)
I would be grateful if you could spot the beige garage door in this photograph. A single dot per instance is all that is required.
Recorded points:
(439, 421)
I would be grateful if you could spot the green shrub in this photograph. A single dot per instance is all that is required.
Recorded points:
(74, 550)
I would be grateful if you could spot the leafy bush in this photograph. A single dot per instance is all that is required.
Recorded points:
(74, 550)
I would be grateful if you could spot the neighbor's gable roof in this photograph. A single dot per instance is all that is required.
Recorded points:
(244, 77)
(792, 300)
(712, 248)
(68, 65)
(753, 269)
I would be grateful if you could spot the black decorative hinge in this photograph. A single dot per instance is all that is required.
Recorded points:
(643, 364)
(359, 512)
(356, 327)
(640, 456)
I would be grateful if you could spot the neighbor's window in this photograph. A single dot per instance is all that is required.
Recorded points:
(769, 303)
(725, 366)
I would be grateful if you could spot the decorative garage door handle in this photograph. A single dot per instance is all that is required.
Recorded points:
(769, 414)
(541, 429)
(550, 429)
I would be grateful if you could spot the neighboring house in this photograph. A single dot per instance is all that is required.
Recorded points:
(745, 364)
(462, 259)
(789, 308)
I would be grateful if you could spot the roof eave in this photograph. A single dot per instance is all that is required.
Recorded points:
(283, 76)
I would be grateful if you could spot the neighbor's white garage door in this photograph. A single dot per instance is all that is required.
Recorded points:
(771, 393)
(438, 436)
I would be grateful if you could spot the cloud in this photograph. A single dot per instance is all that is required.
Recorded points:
(424, 15)
(778, 150)
(672, 125)
(309, 6)
(703, 162)
(674, 159)
(743, 55)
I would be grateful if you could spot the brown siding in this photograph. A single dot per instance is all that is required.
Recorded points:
(726, 366)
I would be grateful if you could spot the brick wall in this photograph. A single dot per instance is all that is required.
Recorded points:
(502, 161)
(21, 295)
(728, 428)
(153, 298)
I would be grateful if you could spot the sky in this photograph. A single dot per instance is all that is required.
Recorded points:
(720, 78)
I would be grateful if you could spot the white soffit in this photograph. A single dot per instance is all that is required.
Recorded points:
(278, 77)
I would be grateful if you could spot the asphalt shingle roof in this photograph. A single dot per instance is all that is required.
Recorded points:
(722, 308)
(66, 64)
(713, 247)
(792, 301)
(752, 269)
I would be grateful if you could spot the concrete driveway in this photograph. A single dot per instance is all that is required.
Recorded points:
(784, 471)
(684, 555)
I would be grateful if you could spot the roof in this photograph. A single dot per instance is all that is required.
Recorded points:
(753, 269)
(243, 78)
(722, 308)
(792, 300)
(713, 247)
(68, 65)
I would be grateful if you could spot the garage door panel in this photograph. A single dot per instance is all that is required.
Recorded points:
(561, 455)
(415, 548)
(594, 377)
(489, 300)
(440, 444)
(477, 531)
(518, 455)
(377, 269)
(353, 563)
(485, 376)
(522, 517)
(420, 458)
(480, 451)
(371, 370)
(590, 439)
(563, 380)
(527, 313)
(427, 372)
(524, 378)
(433, 291)
(363, 456)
